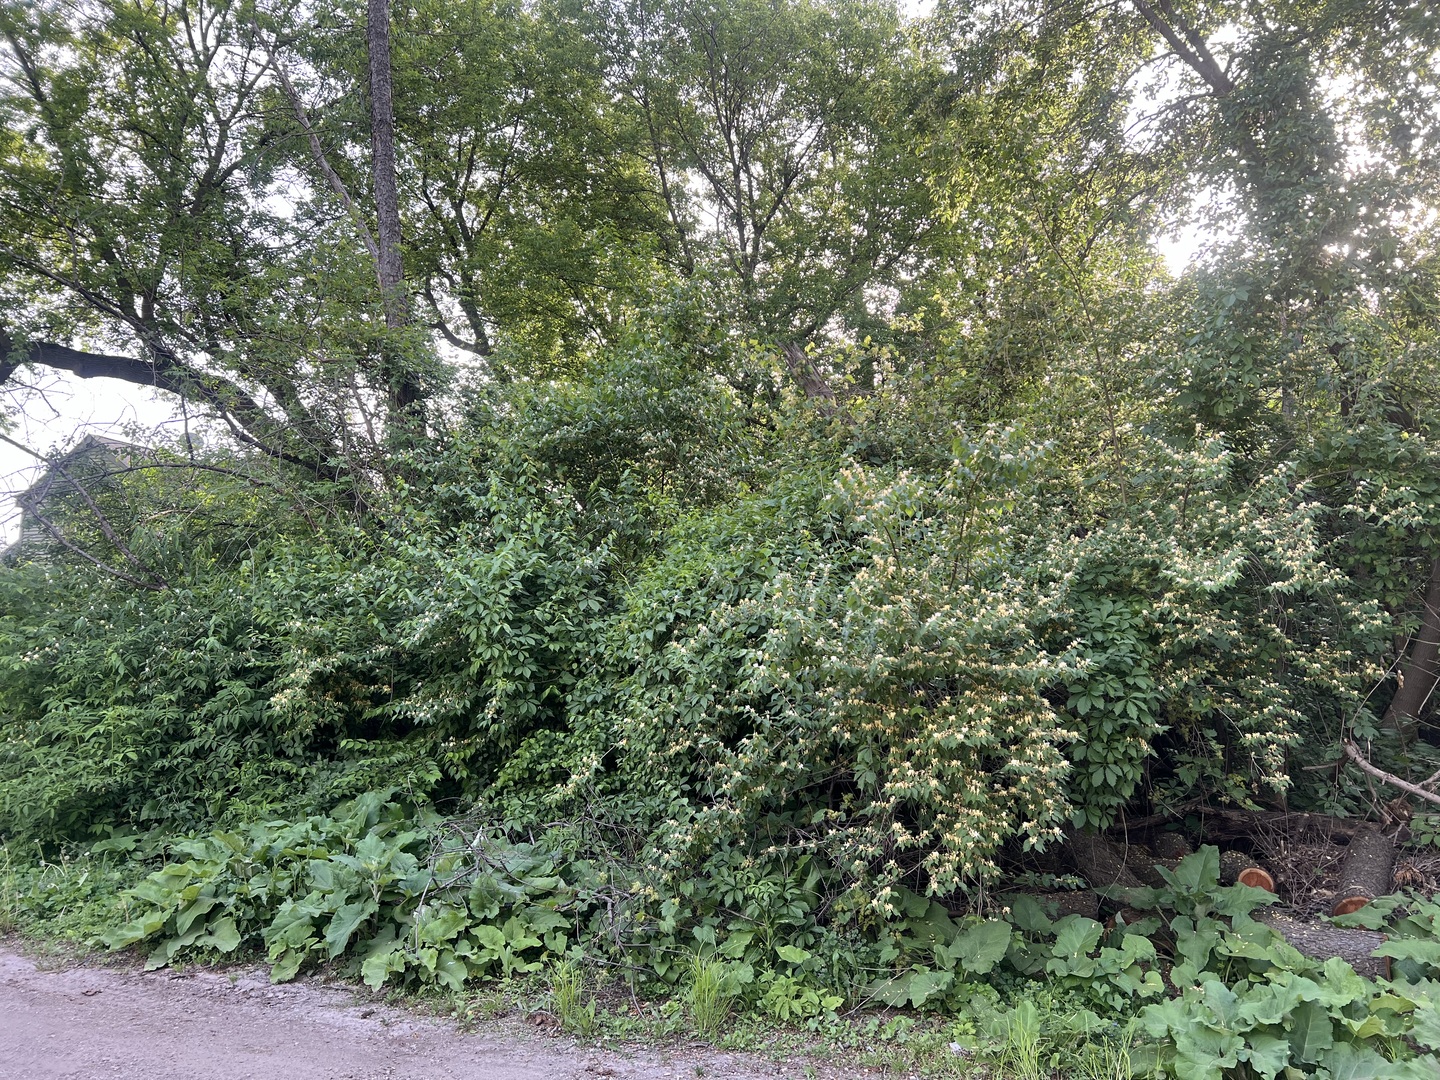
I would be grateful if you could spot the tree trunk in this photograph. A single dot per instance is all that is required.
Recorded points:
(1365, 874)
(1420, 669)
(1170, 845)
(402, 387)
(1321, 942)
(1100, 861)
(808, 377)
(1295, 826)
(1237, 868)
(1059, 904)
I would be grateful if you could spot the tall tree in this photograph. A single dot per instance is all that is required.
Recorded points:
(778, 139)
(1319, 116)
(155, 236)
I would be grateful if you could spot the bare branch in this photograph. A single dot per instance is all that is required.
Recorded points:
(1187, 44)
(164, 372)
(30, 502)
(1353, 753)
(322, 162)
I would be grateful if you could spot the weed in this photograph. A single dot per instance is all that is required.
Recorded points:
(1107, 1059)
(1020, 1056)
(575, 1009)
(709, 1003)
(9, 892)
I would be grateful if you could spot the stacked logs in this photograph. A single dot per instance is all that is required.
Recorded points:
(1365, 874)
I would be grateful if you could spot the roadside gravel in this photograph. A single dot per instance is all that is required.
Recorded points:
(83, 1022)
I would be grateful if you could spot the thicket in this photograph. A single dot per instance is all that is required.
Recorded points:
(756, 528)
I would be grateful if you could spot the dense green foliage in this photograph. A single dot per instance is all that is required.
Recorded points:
(794, 473)
(430, 901)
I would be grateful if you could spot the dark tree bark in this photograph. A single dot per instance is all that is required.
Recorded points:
(1187, 44)
(1421, 667)
(1243, 824)
(808, 377)
(1100, 862)
(403, 388)
(1170, 845)
(1365, 874)
(1058, 904)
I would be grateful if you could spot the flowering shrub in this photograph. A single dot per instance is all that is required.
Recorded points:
(873, 683)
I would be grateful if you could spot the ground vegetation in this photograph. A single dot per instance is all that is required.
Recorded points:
(729, 498)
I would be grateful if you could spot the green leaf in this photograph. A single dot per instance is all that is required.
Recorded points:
(132, 933)
(1267, 1054)
(126, 842)
(1077, 936)
(792, 954)
(736, 943)
(450, 971)
(1311, 1032)
(1197, 873)
(1242, 899)
(1203, 1053)
(344, 923)
(926, 984)
(490, 938)
(1426, 1031)
(518, 935)
(1426, 952)
(287, 965)
(1350, 1062)
(377, 967)
(1269, 1004)
(201, 905)
(979, 948)
(440, 926)
(894, 992)
(1028, 915)
(223, 935)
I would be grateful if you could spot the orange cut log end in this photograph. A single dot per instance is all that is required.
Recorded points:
(1349, 905)
(1256, 877)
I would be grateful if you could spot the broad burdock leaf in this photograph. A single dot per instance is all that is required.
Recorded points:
(979, 948)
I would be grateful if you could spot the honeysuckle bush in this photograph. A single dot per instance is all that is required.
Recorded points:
(920, 670)
(873, 682)
(909, 670)
(1214, 630)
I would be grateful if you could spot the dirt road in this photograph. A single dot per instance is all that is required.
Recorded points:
(81, 1022)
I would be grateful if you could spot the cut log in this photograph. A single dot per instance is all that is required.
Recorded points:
(1365, 874)
(1294, 826)
(1078, 902)
(1238, 868)
(1170, 845)
(1145, 866)
(1055, 904)
(1257, 877)
(1320, 942)
(1100, 861)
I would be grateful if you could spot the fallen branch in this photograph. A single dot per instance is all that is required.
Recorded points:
(1353, 753)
